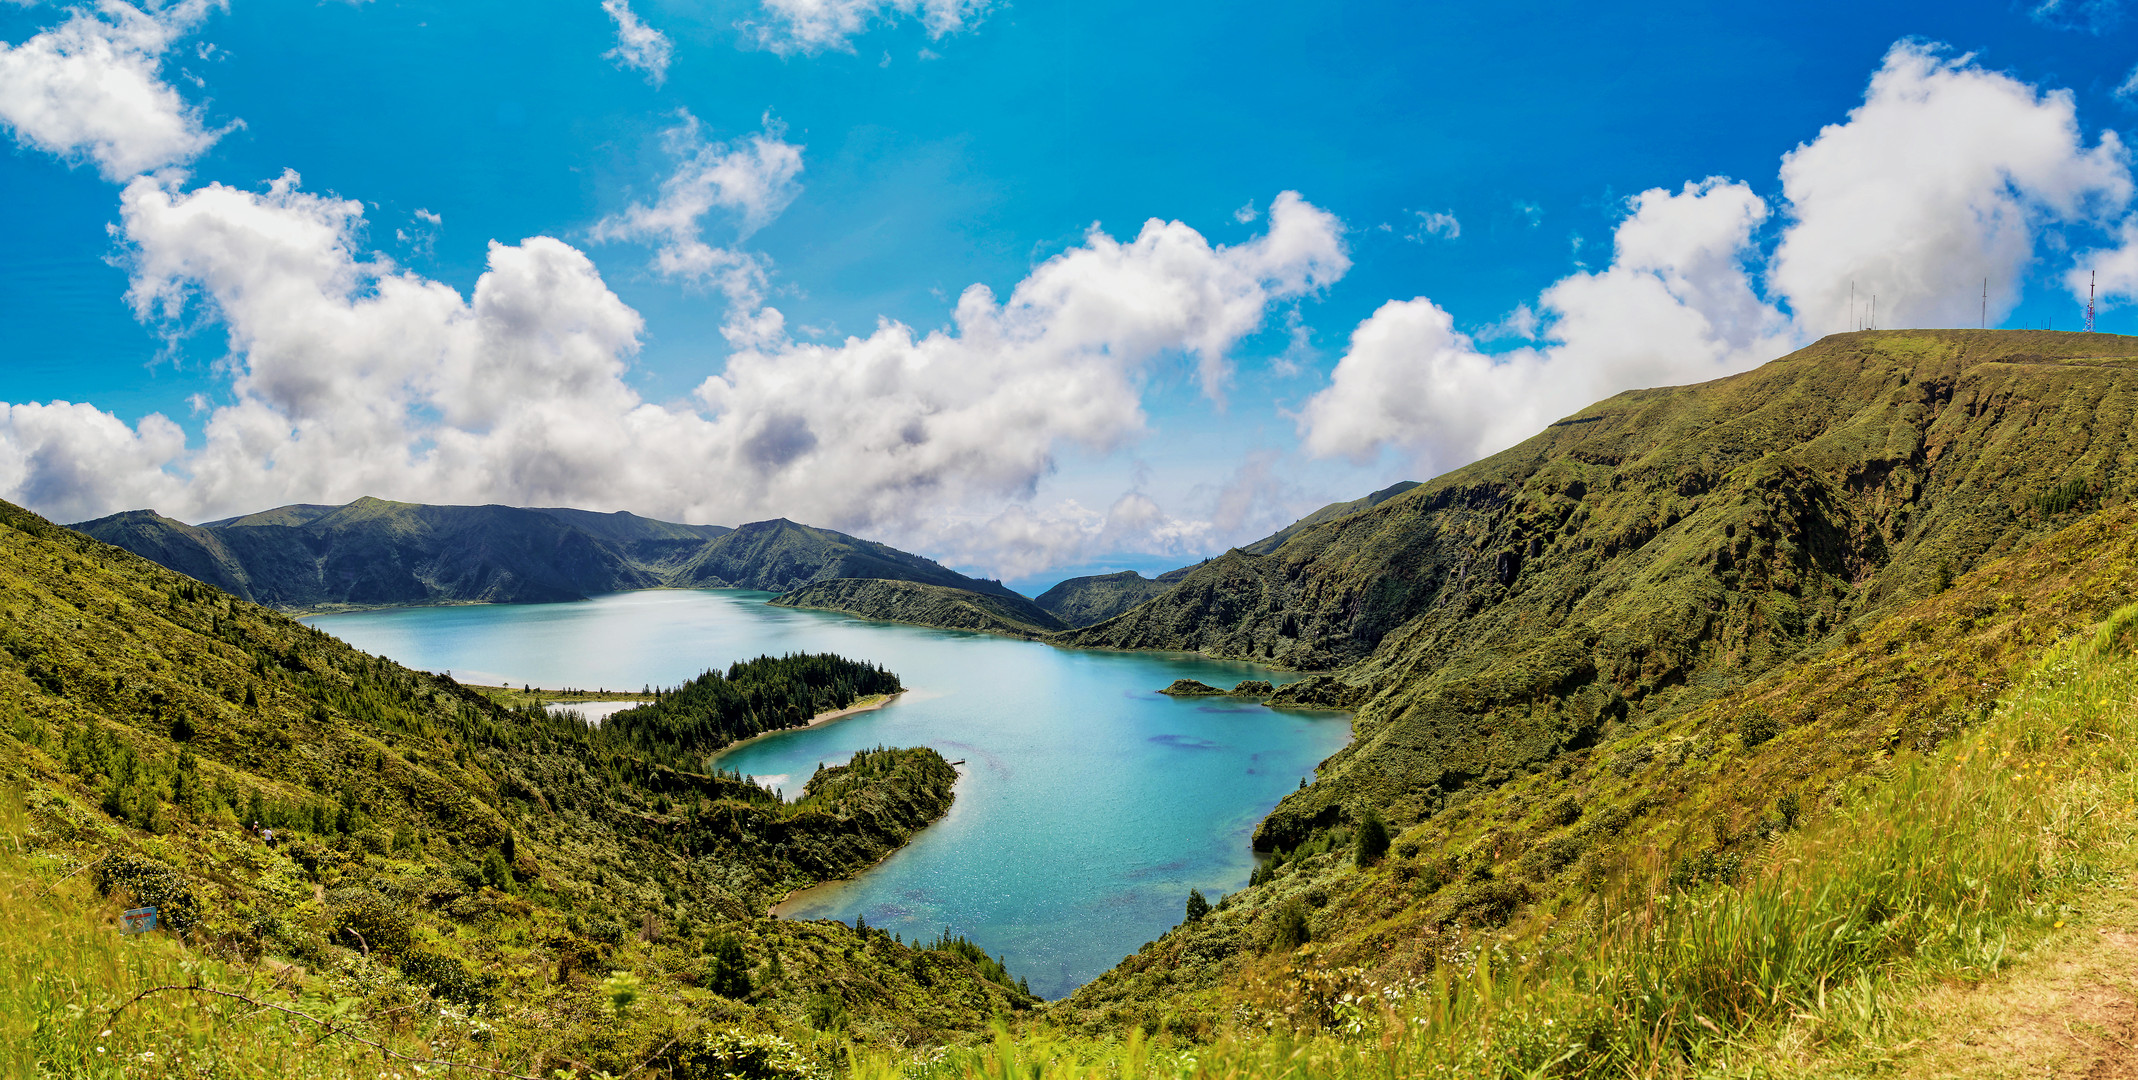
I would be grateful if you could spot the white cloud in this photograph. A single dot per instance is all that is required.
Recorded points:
(1432, 223)
(89, 89)
(1674, 306)
(1520, 323)
(350, 375)
(1020, 540)
(753, 179)
(2128, 90)
(74, 461)
(638, 46)
(1246, 213)
(1942, 177)
(813, 26)
(1946, 174)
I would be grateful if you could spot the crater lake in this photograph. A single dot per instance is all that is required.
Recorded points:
(1087, 806)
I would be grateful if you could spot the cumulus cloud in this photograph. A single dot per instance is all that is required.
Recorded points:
(1675, 305)
(813, 26)
(1946, 174)
(751, 179)
(638, 46)
(351, 375)
(90, 89)
(1021, 539)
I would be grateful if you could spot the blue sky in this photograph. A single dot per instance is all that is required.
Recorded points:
(1465, 185)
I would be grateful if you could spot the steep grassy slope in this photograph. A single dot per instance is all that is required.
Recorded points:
(1330, 512)
(1918, 913)
(436, 847)
(375, 552)
(1655, 550)
(925, 605)
(1685, 806)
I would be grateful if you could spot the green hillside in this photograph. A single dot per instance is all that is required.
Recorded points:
(374, 552)
(434, 848)
(1087, 601)
(779, 555)
(1655, 550)
(1330, 512)
(926, 605)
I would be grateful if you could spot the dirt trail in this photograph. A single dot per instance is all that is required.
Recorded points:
(2066, 1009)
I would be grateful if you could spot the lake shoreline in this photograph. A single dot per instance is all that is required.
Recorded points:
(773, 911)
(868, 704)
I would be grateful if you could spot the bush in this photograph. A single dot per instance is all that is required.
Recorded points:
(1372, 838)
(825, 1011)
(1488, 903)
(150, 884)
(366, 921)
(733, 1054)
(1757, 727)
(447, 978)
(1291, 931)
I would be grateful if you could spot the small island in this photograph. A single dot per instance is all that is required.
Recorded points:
(1254, 688)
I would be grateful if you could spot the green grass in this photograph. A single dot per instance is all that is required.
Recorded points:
(1932, 870)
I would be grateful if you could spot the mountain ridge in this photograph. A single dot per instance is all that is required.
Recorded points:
(375, 552)
(1653, 549)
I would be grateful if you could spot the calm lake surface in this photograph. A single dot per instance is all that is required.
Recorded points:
(1088, 804)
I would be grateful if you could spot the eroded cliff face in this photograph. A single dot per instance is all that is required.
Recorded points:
(1655, 550)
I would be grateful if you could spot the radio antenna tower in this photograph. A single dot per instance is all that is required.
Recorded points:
(1985, 303)
(2089, 301)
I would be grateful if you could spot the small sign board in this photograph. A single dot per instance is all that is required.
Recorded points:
(139, 920)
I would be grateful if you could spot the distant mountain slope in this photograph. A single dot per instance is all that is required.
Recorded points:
(925, 605)
(1085, 601)
(779, 555)
(1656, 549)
(1088, 601)
(376, 552)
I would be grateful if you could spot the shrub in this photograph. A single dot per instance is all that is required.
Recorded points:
(1372, 838)
(367, 921)
(150, 884)
(1490, 902)
(733, 1054)
(447, 978)
(825, 1011)
(1757, 727)
(1291, 930)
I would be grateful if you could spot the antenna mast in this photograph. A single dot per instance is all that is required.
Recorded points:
(2089, 301)
(1985, 303)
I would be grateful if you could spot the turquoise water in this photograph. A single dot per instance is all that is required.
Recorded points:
(1088, 804)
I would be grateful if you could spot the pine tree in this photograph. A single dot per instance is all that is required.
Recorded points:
(1291, 930)
(1197, 906)
(730, 973)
